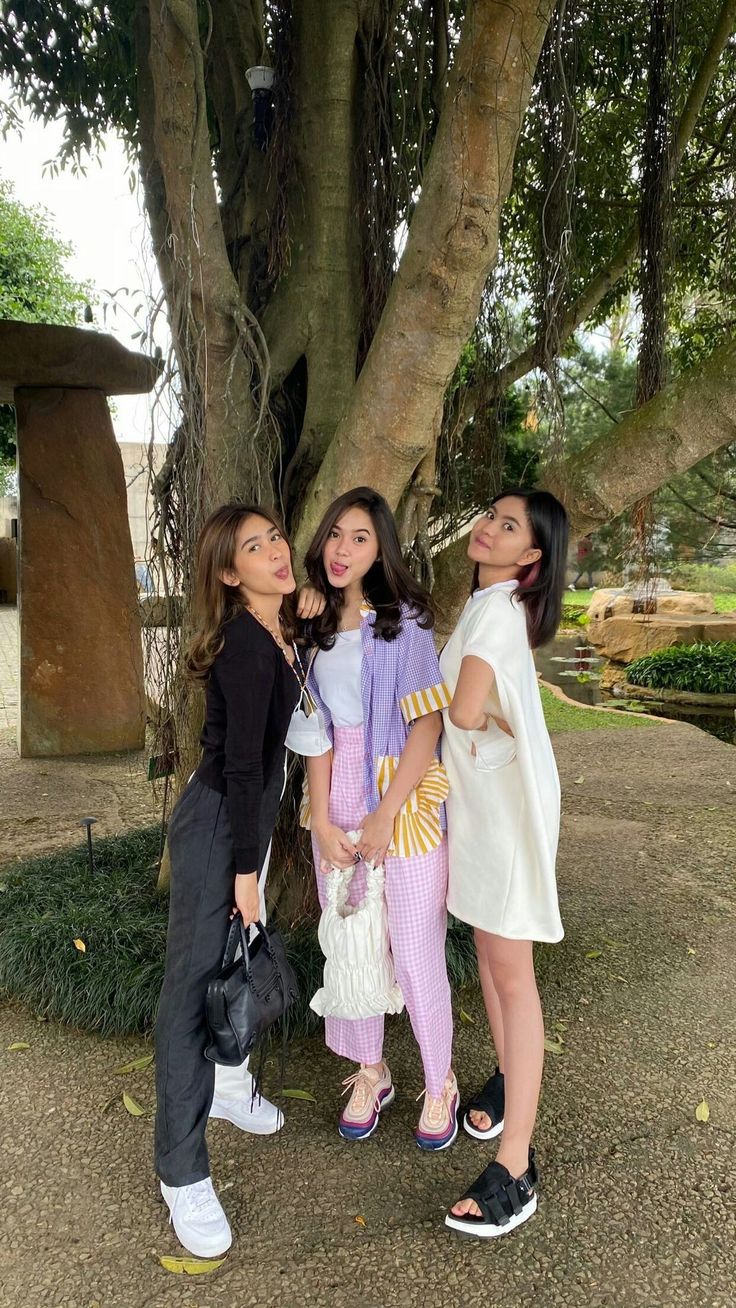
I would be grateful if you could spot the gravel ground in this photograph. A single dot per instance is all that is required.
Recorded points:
(637, 1206)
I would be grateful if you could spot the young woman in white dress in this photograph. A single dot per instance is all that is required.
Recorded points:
(503, 813)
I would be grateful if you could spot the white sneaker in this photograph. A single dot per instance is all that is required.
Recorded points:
(259, 1116)
(198, 1219)
(233, 1101)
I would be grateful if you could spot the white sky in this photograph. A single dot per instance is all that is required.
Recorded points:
(103, 221)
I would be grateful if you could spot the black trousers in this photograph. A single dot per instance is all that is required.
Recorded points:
(201, 899)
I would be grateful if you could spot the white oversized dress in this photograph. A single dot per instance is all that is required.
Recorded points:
(503, 809)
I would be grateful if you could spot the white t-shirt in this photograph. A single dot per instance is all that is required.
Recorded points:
(337, 673)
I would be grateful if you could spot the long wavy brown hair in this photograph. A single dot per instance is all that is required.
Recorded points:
(216, 604)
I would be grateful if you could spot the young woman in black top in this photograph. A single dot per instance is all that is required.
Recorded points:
(219, 840)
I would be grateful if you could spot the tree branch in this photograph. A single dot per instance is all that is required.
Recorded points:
(688, 420)
(624, 258)
(718, 522)
(395, 408)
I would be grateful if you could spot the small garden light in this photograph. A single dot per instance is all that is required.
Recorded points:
(89, 822)
(260, 80)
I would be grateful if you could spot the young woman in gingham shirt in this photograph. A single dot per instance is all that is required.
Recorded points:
(377, 682)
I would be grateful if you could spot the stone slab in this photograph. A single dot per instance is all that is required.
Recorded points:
(625, 637)
(41, 354)
(607, 602)
(81, 665)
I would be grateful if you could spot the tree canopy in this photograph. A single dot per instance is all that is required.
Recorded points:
(34, 283)
(432, 201)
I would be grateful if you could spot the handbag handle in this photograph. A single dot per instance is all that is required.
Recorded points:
(354, 836)
(238, 935)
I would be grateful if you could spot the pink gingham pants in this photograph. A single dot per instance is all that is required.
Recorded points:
(416, 890)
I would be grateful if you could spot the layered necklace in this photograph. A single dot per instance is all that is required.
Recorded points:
(294, 663)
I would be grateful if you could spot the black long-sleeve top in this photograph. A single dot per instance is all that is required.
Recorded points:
(251, 694)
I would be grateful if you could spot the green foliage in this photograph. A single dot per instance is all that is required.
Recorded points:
(33, 284)
(574, 615)
(34, 287)
(113, 986)
(52, 901)
(702, 668)
(701, 576)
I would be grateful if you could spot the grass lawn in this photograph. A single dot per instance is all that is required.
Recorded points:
(563, 717)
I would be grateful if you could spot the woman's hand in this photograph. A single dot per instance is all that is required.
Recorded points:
(377, 833)
(310, 603)
(247, 898)
(334, 847)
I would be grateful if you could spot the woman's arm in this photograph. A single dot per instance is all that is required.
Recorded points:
(474, 685)
(334, 846)
(416, 757)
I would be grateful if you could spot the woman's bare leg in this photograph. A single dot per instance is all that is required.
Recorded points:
(495, 1017)
(511, 966)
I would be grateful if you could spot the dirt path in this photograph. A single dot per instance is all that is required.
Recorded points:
(637, 1201)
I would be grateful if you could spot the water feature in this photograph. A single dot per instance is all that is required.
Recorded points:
(568, 662)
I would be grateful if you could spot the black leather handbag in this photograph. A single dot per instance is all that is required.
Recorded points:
(249, 995)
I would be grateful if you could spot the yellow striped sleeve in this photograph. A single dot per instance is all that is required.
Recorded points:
(421, 702)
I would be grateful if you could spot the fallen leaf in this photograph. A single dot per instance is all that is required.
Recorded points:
(553, 1046)
(702, 1112)
(299, 1094)
(578, 781)
(17, 1045)
(191, 1266)
(561, 1025)
(612, 944)
(711, 1044)
(465, 1017)
(594, 953)
(135, 1065)
(80, 945)
(132, 1106)
(360, 1221)
(691, 951)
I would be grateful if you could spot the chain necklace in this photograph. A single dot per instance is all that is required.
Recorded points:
(296, 665)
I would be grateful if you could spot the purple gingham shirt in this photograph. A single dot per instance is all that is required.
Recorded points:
(400, 681)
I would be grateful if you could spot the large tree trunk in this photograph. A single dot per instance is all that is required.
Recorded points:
(395, 408)
(691, 418)
(210, 328)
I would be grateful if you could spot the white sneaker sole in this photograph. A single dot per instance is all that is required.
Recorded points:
(476, 1132)
(491, 1232)
(253, 1127)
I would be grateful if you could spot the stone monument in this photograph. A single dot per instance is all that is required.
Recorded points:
(81, 662)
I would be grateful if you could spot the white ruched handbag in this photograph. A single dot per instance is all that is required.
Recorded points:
(359, 978)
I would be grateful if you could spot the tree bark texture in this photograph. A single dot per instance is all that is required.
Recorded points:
(395, 408)
(205, 307)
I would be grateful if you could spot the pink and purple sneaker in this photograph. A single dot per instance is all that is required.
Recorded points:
(372, 1092)
(437, 1127)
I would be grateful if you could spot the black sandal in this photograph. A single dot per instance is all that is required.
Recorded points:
(489, 1100)
(504, 1201)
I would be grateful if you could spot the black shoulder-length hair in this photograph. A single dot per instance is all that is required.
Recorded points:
(541, 584)
(387, 585)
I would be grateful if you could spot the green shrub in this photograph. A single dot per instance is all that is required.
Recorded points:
(704, 576)
(113, 985)
(702, 668)
(574, 615)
